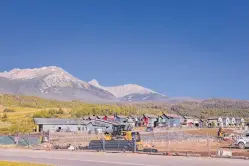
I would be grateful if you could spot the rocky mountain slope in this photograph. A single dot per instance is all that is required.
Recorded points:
(130, 92)
(51, 82)
(55, 83)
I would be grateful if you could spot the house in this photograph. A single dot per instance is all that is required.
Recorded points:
(239, 121)
(91, 117)
(73, 125)
(105, 125)
(191, 121)
(94, 117)
(169, 120)
(215, 122)
(175, 120)
(133, 119)
(149, 120)
(120, 118)
(60, 124)
(102, 117)
(232, 121)
(226, 121)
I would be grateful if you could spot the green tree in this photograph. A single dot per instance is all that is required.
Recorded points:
(212, 124)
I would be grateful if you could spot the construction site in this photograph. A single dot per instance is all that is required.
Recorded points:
(168, 141)
(119, 138)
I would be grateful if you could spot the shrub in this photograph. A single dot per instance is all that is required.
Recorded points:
(60, 111)
(8, 110)
(4, 117)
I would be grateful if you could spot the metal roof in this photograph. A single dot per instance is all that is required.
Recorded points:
(60, 121)
(106, 121)
(213, 118)
(121, 116)
(189, 117)
(150, 115)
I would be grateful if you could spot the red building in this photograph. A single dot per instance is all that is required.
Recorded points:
(149, 120)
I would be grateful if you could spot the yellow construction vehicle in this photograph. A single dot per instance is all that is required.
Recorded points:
(119, 133)
(122, 137)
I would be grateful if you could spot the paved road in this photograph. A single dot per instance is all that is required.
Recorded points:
(66, 158)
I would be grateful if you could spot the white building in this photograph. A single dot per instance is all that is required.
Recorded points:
(232, 121)
(239, 121)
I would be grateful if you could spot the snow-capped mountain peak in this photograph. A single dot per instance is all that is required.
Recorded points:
(32, 73)
(51, 75)
(53, 81)
(49, 82)
(94, 83)
(123, 90)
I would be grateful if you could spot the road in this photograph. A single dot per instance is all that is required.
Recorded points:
(68, 158)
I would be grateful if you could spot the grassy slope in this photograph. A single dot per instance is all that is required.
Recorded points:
(25, 106)
(8, 163)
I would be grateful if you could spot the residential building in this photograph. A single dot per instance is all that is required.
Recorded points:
(91, 117)
(215, 122)
(239, 121)
(134, 119)
(105, 125)
(121, 118)
(171, 120)
(191, 121)
(149, 120)
(226, 121)
(60, 124)
(232, 121)
(75, 125)
(102, 117)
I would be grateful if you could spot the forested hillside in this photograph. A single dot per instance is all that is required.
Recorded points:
(17, 111)
(210, 107)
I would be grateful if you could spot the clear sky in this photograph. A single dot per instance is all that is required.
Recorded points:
(197, 48)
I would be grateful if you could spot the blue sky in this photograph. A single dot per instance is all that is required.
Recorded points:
(180, 48)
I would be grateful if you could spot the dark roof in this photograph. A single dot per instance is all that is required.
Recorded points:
(60, 121)
(92, 117)
(172, 115)
(101, 116)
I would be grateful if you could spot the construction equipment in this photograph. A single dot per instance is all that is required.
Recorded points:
(223, 135)
(220, 132)
(119, 139)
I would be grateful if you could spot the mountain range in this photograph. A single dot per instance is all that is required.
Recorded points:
(55, 83)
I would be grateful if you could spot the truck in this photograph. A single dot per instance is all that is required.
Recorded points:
(242, 142)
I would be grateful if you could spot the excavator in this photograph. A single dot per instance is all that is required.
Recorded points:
(120, 138)
(221, 134)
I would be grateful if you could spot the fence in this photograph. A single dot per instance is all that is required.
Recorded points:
(164, 140)
(20, 140)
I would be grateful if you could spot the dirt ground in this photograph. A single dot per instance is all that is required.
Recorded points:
(199, 145)
(180, 141)
(208, 131)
